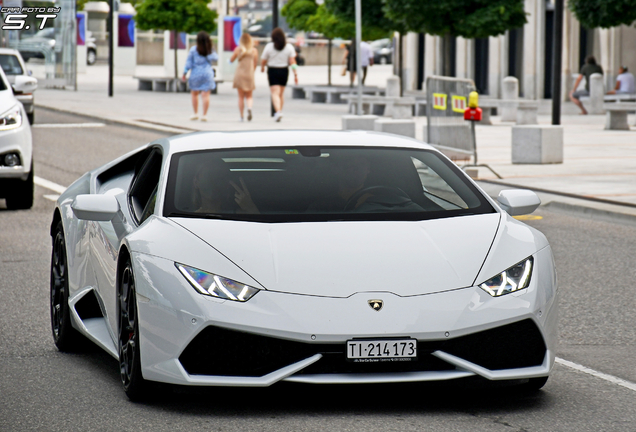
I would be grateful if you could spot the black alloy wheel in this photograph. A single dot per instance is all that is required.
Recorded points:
(66, 338)
(135, 386)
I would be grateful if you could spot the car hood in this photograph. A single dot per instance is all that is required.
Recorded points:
(339, 259)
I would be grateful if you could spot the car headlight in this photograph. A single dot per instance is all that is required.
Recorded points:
(215, 285)
(514, 279)
(11, 119)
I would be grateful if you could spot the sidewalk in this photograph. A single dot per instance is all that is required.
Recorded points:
(597, 164)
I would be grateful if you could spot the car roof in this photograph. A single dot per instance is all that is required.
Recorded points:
(9, 51)
(283, 138)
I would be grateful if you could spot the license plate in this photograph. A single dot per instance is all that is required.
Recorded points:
(379, 350)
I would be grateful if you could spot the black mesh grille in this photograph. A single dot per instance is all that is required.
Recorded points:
(218, 351)
(507, 347)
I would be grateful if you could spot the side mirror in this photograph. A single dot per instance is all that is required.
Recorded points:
(29, 72)
(518, 202)
(101, 208)
(24, 84)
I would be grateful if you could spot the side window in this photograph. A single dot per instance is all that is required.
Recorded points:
(436, 189)
(143, 190)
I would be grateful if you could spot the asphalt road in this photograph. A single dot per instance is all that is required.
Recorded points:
(42, 389)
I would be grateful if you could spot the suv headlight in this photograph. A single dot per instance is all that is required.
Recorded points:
(513, 279)
(11, 119)
(215, 285)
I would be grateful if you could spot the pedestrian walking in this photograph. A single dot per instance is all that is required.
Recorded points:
(624, 82)
(366, 59)
(590, 67)
(350, 62)
(247, 57)
(278, 56)
(201, 81)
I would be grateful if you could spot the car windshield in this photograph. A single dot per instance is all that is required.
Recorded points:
(294, 184)
(10, 64)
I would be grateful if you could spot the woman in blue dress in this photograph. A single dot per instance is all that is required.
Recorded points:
(201, 81)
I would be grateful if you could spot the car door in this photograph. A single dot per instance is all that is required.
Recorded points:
(133, 189)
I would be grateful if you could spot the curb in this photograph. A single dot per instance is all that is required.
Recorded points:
(565, 194)
(590, 212)
(558, 202)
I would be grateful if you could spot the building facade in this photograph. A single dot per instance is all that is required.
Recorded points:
(525, 53)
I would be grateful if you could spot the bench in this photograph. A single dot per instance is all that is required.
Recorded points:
(526, 110)
(380, 105)
(330, 94)
(616, 115)
(615, 98)
(165, 84)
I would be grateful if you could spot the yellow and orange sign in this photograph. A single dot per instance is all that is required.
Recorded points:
(439, 101)
(458, 103)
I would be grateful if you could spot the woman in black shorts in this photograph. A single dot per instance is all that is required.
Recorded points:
(278, 56)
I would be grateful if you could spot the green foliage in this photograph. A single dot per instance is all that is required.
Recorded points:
(330, 26)
(190, 16)
(466, 18)
(603, 13)
(306, 15)
(374, 19)
(298, 12)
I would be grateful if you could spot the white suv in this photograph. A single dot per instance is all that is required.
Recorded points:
(16, 147)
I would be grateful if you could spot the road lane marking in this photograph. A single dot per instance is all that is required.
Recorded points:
(528, 217)
(51, 197)
(67, 125)
(610, 378)
(48, 185)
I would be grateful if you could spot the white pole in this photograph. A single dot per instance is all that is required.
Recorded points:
(358, 57)
(220, 41)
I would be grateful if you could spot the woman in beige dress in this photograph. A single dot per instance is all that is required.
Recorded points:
(244, 76)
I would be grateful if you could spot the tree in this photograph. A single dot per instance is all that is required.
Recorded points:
(298, 12)
(603, 13)
(306, 15)
(450, 18)
(190, 16)
(375, 23)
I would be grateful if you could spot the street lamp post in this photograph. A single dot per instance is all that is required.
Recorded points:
(358, 56)
(556, 62)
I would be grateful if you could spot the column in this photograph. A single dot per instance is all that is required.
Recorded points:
(495, 48)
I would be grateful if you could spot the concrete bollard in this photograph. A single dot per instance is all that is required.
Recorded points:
(393, 86)
(397, 127)
(359, 122)
(537, 144)
(597, 93)
(510, 92)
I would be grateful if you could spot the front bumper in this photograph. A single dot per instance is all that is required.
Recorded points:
(27, 101)
(190, 339)
(18, 141)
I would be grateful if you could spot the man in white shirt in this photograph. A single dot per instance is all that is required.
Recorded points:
(366, 58)
(624, 82)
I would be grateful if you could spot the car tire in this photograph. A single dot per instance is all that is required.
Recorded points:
(91, 57)
(21, 196)
(66, 338)
(31, 117)
(135, 386)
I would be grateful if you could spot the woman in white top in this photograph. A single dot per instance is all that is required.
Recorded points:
(278, 56)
